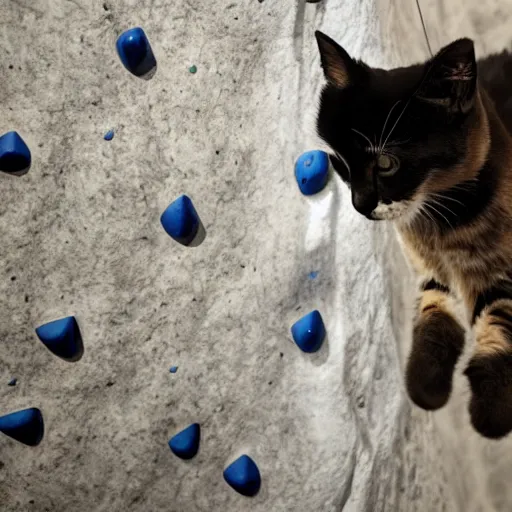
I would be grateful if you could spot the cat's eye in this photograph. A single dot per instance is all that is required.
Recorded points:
(388, 165)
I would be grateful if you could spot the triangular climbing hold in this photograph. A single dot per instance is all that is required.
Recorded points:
(26, 426)
(15, 156)
(244, 476)
(185, 444)
(309, 332)
(181, 222)
(63, 338)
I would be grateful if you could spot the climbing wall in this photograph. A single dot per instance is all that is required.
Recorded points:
(192, 392)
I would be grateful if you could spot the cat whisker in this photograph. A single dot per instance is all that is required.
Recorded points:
(466, 186)
(423, 211)
(443, 206)
(446, 198)
(427, 213)
(392, 143)
(468, 190)
(424, 214)
(372, 147)
(343, 160)
(396, 122)
(474, 179)
(430, 205)
(380, 147)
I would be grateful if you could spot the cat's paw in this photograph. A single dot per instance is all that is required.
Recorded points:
(438, 340)
(490, 379)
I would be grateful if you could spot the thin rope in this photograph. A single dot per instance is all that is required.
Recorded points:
(424, 28)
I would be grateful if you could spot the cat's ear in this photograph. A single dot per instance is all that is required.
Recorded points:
(337, 64)
(450, 80)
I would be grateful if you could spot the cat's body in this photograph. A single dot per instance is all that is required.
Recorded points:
(425, 146)
(467, 242)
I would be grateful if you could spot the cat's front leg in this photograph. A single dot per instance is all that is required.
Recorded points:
(438, 340)
(490, 369)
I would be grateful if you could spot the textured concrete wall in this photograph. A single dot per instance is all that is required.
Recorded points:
(81, 235)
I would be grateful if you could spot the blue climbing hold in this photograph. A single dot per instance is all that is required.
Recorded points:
(311, 171)
(12, 382)
(181, 222)
(109, 135)
(185, 444)
(136, 54)
(26, 426)
(313, 274)
(244, 476)
(63, 338)
(173, 369)
(309, 332)
(15, 156)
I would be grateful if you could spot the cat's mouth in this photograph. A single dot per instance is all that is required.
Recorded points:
(391, 211)
(403, 211)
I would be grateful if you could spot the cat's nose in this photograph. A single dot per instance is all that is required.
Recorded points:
(364, 202)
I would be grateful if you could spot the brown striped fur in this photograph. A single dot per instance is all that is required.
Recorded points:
(460, 243)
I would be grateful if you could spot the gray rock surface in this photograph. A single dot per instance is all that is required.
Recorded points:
(81, 235)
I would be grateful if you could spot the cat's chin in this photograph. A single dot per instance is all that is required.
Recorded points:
(377, 218)
(403, 213)
(395, 211)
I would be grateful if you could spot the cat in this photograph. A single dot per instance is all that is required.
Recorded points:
(424, 146)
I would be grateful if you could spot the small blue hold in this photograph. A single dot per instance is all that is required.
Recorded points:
(311, 171)
(313, 274)
(26, 426)
(63, 338)
(181, 221)
(185, 444)
(109, 135)
(136, 54)
(173, 369)
(15, 157)
(12, 382)
(309, 332)
(244, 476)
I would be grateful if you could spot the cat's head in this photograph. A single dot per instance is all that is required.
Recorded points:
(399, 136)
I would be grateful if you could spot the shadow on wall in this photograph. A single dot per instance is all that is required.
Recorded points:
(317, 263)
